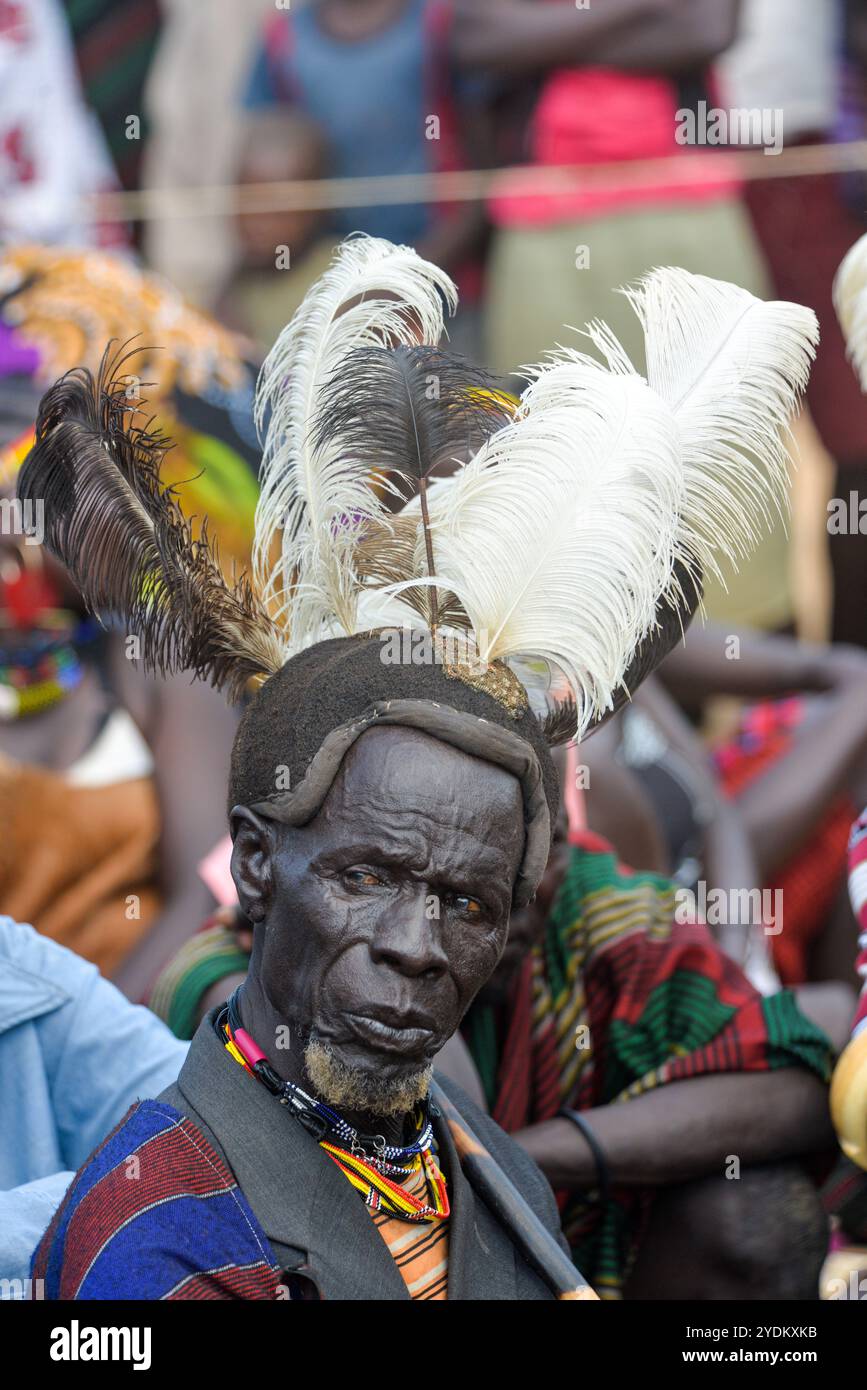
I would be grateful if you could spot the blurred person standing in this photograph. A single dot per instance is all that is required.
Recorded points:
(378, 80)
(193, 103)
(102, 835)
(615, 82)
(789, 56)
(281, 253)
(52, 151)
(115, 42)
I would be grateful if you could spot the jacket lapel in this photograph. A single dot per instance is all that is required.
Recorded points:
(481, 1257)
(25, 996)
(311, 1215)
(313, 1218)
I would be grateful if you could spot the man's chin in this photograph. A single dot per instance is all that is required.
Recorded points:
(377, 1086)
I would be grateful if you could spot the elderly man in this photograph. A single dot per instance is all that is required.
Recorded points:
(601, 996)
(392, 800)
(377, 921)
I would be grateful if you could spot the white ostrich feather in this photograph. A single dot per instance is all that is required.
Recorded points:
(558, 535)
(850, 301)
(731, 367)
(318, 501)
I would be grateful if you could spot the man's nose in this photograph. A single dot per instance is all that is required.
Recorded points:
(408, 937)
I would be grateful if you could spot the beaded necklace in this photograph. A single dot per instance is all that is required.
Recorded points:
(40, 671)
(374, 1174)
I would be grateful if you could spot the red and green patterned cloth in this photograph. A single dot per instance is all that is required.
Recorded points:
(617, 1000)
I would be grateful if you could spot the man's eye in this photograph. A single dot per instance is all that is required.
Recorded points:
(361, 878)
(470, 907)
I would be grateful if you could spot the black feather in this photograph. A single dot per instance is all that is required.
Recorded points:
(560, 723)
(126, 542)
(674, 613)
(409, 412)
(410, 415)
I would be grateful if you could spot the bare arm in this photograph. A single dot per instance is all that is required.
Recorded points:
(729, 861)
(828, 754)
(518, 37)
(618, 806)
(689, 1129)
(827, 757)
(190, 730)
(713, 660)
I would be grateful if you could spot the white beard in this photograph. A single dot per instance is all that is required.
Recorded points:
(349, 1089)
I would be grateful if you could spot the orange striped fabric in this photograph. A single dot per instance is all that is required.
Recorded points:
(420, 1250)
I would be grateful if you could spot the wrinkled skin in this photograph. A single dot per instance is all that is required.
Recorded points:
(349, 950)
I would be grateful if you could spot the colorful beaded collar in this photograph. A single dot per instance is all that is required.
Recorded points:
(375, 1168)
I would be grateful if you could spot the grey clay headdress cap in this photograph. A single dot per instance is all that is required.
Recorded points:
(306, 717)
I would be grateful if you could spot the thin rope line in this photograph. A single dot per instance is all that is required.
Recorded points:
(475, 185)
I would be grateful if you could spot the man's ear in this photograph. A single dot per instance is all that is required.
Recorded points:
(252, 847)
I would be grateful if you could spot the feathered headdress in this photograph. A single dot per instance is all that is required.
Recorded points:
(558, 539)
(850, 302)
(122, 535)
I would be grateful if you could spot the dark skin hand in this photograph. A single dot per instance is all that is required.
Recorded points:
(683, 1130)
(346, 950)
(516, 37)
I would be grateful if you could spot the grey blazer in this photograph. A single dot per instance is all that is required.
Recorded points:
(315, 1221)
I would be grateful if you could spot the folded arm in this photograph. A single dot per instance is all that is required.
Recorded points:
(689, 1129)
(664, 36)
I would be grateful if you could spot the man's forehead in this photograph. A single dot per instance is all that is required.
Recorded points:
(411, 799)
(404, 767)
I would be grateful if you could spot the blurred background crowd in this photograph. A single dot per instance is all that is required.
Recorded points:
(180, 170)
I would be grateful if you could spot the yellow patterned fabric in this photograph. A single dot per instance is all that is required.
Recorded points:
(69, 306)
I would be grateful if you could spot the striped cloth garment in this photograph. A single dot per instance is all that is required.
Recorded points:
(858, 899)
(152, 1185)
(157, 1171)
(420, 1250)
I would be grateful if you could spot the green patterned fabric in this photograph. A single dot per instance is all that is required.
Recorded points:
(617, 1000)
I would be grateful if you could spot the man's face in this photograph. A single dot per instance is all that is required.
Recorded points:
(389, 911)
